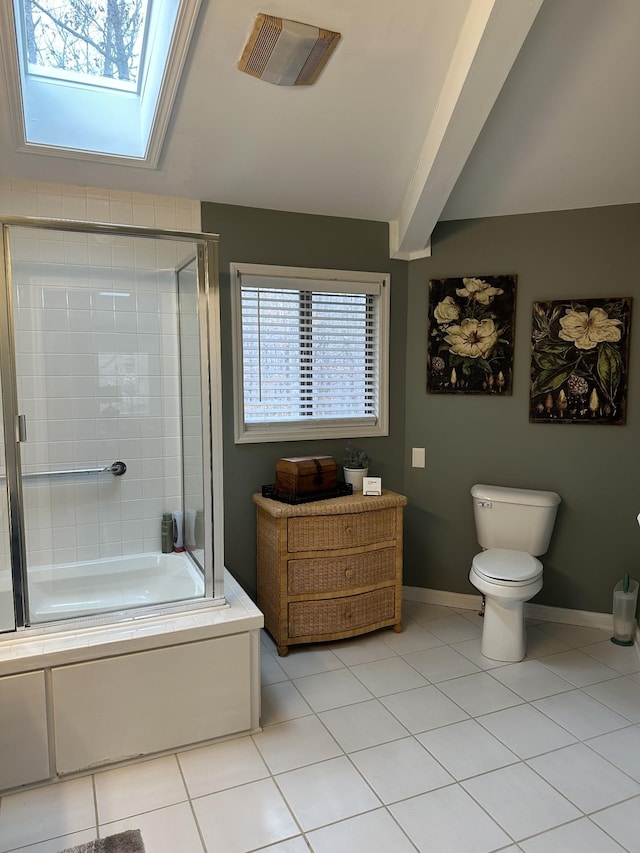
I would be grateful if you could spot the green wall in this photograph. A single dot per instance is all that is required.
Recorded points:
(595, 469)
(251, 235)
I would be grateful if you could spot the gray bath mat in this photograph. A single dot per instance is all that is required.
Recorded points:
(124, 842)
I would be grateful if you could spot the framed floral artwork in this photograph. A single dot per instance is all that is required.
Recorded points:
(579, 361)
(470, 335)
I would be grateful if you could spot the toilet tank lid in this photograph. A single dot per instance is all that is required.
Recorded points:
(506, 494)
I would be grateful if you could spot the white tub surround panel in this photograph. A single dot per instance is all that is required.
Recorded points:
(130, 705)
(24, 743)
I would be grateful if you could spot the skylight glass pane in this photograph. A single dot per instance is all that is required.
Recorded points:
(98, 42)
(95, 78)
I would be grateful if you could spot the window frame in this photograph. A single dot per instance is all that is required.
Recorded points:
(251, 433)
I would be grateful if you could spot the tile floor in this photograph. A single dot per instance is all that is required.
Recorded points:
(388, 742)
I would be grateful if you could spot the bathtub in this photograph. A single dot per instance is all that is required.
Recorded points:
(80, 694)
(70, 590)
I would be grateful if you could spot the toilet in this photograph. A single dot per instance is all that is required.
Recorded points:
(513, 527)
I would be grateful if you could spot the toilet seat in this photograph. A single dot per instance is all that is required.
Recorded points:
(505, 567)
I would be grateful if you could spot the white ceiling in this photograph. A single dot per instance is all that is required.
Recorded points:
(428, 110)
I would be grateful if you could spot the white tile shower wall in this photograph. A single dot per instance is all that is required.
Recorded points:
(97, 360)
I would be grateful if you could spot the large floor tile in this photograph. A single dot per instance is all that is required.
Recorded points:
(280, 702)
(221, 765)
(440, 663)
(61, 809)
(584, 777)
(390, 675)
(577, 668)
(137, 788)
(526, 731)
(540, 642)
(413, 638)
(471, 649)
(576, 635)
(267, 645)
(332, 689)
(400, 769)
(454, 629)
(466, 749)
(531, 680)
(422, 612)
(621, 695)
(448, 821)
(64, 842)
(621, 748)
(305, 660)
(580, 714)
(326, 792)
(479, 693)
(244, 818)
(363, 649)
(622, 822)
(364, 833)
(291, 845)
(423, 709)
(163, 831)
(270, 670)
(295, 743)
(581, 836)
(359, 726)
(624, 659)
(520, 801)
(474, 615)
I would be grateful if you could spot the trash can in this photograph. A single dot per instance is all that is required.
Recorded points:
(625, 602)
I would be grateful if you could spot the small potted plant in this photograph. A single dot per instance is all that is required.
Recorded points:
(356, 466)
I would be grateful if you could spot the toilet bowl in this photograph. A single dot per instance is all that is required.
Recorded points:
(514, 527)
(507, 579)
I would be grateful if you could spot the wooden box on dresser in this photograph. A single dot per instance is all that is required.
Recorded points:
(329, 569)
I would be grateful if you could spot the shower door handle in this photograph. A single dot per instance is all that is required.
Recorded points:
(22, 429)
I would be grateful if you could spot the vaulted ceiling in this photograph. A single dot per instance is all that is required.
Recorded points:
(428, 110)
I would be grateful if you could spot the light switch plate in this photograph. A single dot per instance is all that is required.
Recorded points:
(417, 457)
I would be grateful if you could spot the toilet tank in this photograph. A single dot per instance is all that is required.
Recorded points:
(518, 519)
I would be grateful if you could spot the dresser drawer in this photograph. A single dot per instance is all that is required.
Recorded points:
(335, 616)
(335, 574)
(326, 532)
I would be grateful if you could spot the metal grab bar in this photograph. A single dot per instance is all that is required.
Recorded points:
(117, 469)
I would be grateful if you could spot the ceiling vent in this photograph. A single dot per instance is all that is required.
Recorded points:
(286, 53)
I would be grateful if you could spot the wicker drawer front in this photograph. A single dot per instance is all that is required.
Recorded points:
(334, 616)
(324, 532)
(333, 574)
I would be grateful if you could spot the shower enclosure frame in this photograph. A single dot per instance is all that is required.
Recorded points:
(211, 415)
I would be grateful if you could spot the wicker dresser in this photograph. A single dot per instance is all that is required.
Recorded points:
(329, 569)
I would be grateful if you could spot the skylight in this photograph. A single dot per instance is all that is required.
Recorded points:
(96, 77)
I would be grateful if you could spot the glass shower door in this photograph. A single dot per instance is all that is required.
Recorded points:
(191, 412)
(7, 613)
(7, 610)
(108, 362)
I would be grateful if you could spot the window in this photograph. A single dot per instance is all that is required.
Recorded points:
(94, 76)
(310, 353)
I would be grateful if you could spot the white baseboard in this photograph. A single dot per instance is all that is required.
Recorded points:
(441, 596)
(543, 612)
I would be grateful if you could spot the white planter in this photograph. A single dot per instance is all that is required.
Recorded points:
(355, 477)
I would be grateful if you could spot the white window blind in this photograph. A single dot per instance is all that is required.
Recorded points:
(310, 353)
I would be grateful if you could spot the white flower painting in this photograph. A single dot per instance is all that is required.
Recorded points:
(579, 361)
(470, 335)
